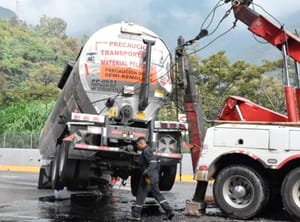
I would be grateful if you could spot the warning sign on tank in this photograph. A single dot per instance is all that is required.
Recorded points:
(126, 74)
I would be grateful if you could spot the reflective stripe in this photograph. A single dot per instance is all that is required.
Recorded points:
(153, 161)
(169, 155)
(88, 117)
(138, 205)
(92, 147)
(163, 201)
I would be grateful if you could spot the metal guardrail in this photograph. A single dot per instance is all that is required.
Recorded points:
(30, 141)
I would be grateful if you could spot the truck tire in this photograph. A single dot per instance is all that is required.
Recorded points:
(66, 170)
(290, 193)
(81, 175)
(63, 169)
(240, 191)
(134, 182)
(167, 177)
(55, 181)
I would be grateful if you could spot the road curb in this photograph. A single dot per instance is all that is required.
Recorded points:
(20, 168)
(185, 178)
(35, 169)
(29, 160)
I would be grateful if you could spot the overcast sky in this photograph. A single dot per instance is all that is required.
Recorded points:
(167, 18)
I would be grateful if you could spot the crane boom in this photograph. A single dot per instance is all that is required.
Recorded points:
(273, 33)
(192, 106)
(276, 35)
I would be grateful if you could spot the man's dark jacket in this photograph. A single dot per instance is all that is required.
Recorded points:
(150, 164)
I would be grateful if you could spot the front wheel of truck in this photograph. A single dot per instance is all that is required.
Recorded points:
(240, 191)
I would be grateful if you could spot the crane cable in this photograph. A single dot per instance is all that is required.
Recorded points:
(227, 13)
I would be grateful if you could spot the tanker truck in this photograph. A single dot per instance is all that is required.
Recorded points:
(111, 95)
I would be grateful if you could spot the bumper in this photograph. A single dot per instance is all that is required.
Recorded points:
(163, 156)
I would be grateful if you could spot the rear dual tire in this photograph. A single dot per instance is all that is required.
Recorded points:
(63, 169)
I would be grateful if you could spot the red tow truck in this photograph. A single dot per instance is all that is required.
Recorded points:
(251, 154)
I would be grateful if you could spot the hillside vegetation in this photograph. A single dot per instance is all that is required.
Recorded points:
(31, 62)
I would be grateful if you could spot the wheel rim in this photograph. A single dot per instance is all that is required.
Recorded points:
(296, 193)
(238, 191)
(167, 144)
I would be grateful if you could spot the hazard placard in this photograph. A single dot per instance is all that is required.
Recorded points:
(126, 74)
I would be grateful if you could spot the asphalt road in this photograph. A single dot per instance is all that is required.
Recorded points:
(20, 200)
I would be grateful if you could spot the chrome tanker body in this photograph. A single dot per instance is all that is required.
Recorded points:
(110, 96)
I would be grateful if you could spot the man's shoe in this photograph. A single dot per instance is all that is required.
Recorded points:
(130, 217)
(170, 214)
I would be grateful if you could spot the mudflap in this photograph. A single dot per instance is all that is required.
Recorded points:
(193, 208)
(44, 179)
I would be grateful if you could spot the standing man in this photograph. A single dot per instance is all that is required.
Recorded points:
(149, 181)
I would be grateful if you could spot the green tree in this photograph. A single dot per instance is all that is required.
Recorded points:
(52, 27)
(31, 62)
(271, 94)
(46, 74)
(216, 78)
(25, 49)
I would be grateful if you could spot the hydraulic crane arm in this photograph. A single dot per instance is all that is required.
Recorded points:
(266, 29)
(192, 106)
(276, 35)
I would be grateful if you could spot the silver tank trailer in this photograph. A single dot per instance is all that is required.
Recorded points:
(107, 79)
(123, 72)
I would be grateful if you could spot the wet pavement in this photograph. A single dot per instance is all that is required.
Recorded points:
(20, 200)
